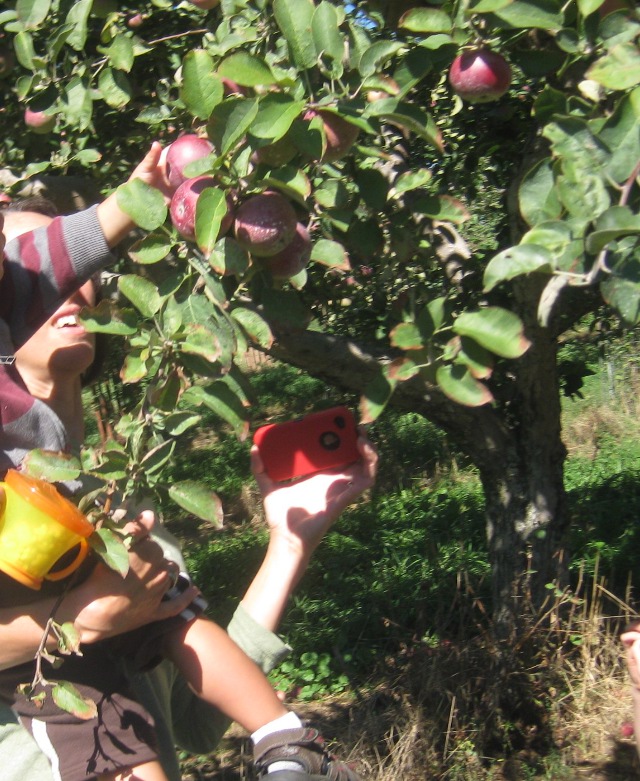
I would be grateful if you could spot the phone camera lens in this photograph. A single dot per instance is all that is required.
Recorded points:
(329, 440)
(340, 421)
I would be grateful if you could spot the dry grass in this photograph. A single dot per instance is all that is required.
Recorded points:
(438, 713)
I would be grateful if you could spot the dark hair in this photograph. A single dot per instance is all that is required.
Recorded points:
(34, 203)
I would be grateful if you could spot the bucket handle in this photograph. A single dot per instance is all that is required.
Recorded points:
(80, 557)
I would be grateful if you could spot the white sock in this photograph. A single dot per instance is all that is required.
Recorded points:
(288, 721)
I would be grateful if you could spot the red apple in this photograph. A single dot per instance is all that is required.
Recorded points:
(626, 729)
(265, 224)
(340, 134)
(135, 21)
(480, 75)
(38, 121)
(182, 208)
(293, 258)
(184, 150)
(230, 87)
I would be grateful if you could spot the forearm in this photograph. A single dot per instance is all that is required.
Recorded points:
(115, 224)
(268, 595)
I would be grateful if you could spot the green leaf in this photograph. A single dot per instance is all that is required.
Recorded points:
(521, 14)
(440, 207)
(327, 38)
(615, 222)
(376, 394)
(68, 638)
(247, 70)
(78, 103)
(219, 398)
(295, 19)
(624, 296)
(143, 203)
(142, 293)
(227, 258)
(557, 237)
(202, 89)
(330, 253)
(50, 466)
(25, 51)
(620, 134)
(407, 116)
(67, 697)
(406, 336)
(587, 7)
(178, 423)
(375, 57)
(153, 248)
(496, 329)
(478, 361)
(285, 307)
(200, 340)
(111, 549)
(411, 180)
(211, 209)
(158, 456)
(256, 328)
(77, 20)
(230, 121)
(488, 6)
(426, 20)
(32, 13)
(276, 112)
(618, 69)
(114, 87)
(291, 181)
(199, 500)
(458, 384)
(537, 197)
(109, 318)
(120, 53)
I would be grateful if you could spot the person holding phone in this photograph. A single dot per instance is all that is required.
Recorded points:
(300, 516)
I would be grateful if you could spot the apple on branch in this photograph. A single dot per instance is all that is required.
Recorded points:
(184, 150)
(265, 224)
(480, 75)
(293, 258)
(182, 208)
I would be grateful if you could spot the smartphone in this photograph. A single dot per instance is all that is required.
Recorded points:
(322, 440)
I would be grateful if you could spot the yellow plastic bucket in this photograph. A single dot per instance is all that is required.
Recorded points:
(37, 527)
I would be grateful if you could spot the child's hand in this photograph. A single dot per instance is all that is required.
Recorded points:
(302, 512)
(152, 170)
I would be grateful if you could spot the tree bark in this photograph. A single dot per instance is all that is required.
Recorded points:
(516, 445)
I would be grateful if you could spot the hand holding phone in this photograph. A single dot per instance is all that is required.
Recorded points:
(317, 442)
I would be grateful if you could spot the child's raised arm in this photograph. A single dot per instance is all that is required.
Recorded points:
(115, 223)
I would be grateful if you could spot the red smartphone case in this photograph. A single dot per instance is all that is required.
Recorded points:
(322, 440)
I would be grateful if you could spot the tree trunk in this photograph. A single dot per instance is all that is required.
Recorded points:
(516, 445)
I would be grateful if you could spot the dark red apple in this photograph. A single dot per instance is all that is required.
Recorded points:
(265, 224)
(182, 208)
(340, 134)
(293, 258)
(480, 75)
(38, 121)
(184, 150)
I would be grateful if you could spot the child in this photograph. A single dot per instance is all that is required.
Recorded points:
(122, 736)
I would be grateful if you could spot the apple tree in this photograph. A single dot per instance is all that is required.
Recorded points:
(402, 281)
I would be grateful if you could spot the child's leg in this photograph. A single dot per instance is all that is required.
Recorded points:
(221, 673)
(150, 771)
